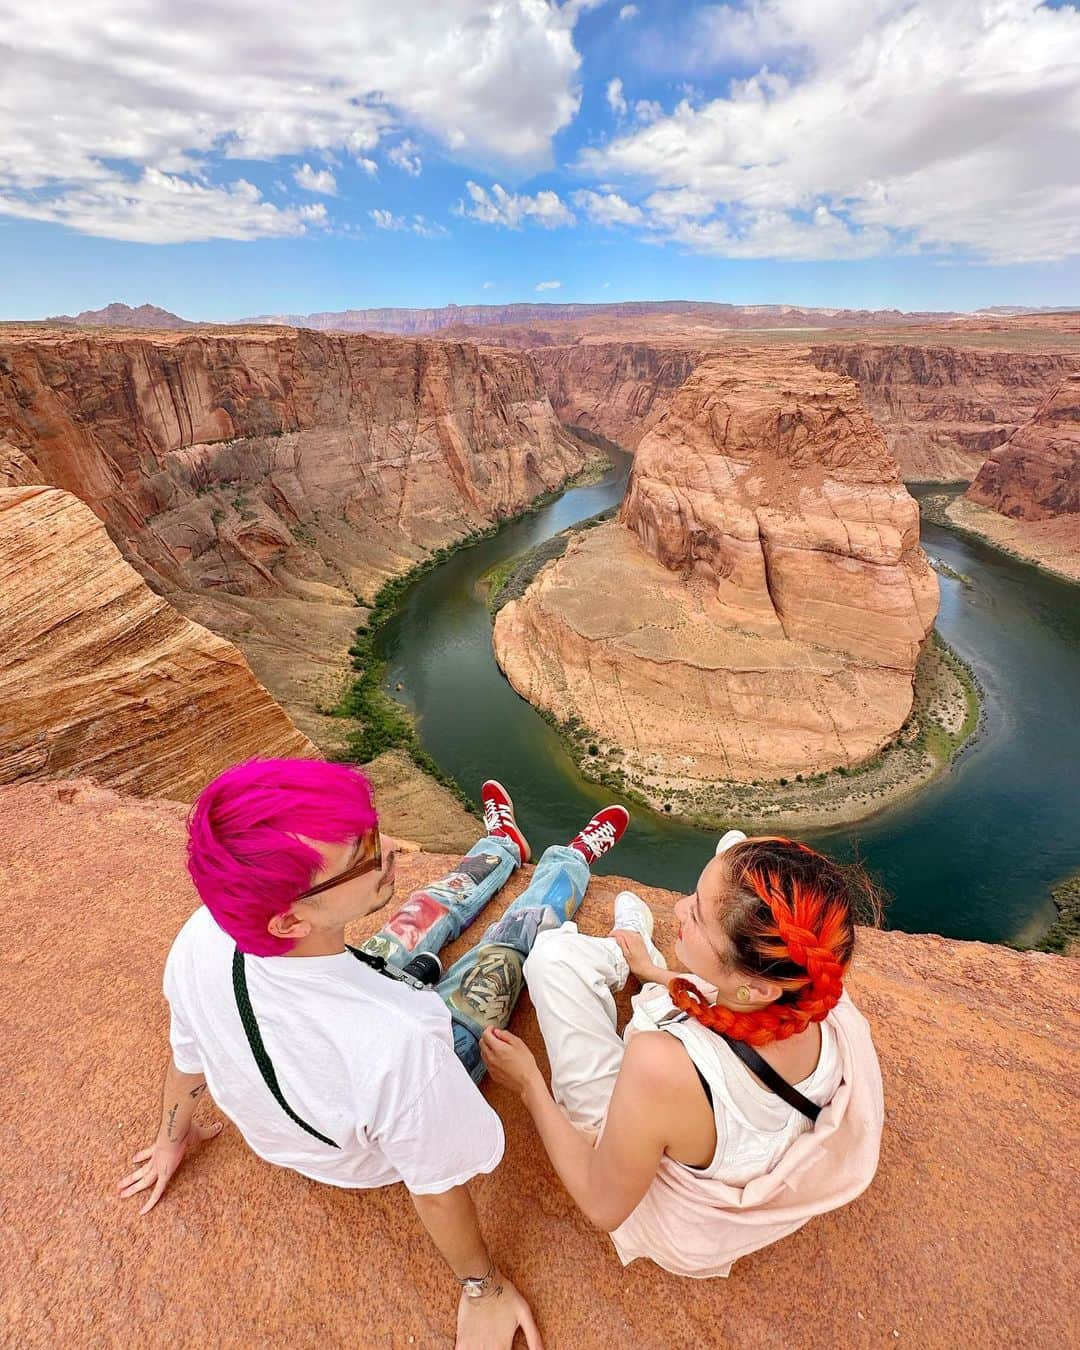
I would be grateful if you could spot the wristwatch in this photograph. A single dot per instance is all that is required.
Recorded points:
(478, 1286)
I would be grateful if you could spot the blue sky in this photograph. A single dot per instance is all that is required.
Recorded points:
(255, 156)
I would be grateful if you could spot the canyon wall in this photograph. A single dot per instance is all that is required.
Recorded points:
(100, 676)
(269, 482)
(943, 409)
(1026, 496)
(758, 609)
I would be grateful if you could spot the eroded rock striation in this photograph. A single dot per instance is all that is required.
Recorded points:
(759, 607)
(266, 482)
(979, 1121)
(98, 675)
(1026, 496)
(943, 409)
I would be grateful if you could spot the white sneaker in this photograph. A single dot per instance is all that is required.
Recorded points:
(633, 913)
(732, 837)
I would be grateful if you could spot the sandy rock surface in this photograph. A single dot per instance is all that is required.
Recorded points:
(100, 675)
(759, 608)
(266, 480)
(963, 1239)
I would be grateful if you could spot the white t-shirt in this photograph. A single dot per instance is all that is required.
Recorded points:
(365, 1060)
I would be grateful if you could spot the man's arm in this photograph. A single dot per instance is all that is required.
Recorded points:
(493, 1319)
(176, 1134)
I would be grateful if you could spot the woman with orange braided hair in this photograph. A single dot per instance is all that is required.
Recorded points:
(756, 1101)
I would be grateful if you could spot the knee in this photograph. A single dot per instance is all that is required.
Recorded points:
(550, 950)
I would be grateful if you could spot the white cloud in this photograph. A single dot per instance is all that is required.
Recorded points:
(499, 207)
(608, 208)
(404, 156)
(166, 208)
(647, 110)
(368, 165)
(628, 12)
(94, 99)
(386, 220)
(615, 97)
(549, 285)
(487, 285)
(938, 126)
(316, 180)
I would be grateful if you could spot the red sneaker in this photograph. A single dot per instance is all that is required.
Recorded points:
(499, 816)
(602, 833)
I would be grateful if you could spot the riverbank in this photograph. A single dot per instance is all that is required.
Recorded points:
(376, 722)
(1049, 545)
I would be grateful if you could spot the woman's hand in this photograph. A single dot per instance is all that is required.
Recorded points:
(160, 1161)
(509, 1060)
(641, 964)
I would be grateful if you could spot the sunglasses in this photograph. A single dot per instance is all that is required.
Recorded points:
(369, 860)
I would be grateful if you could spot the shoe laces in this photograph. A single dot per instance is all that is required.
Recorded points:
(497, 817)
(598, 838)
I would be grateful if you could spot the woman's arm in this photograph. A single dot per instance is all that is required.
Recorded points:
(607, 1181)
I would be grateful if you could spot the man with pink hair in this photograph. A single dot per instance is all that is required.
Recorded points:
(324, 1064)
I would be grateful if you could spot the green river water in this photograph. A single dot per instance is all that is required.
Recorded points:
(972, 855)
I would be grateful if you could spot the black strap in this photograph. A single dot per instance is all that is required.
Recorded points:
(258, 1049)
(764, 1070)
(773, 1081)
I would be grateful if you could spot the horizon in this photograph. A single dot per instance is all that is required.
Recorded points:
(912, 156)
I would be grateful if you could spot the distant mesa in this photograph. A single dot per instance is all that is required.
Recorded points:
(119, 315)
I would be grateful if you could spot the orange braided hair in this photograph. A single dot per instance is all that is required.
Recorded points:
(790, 922)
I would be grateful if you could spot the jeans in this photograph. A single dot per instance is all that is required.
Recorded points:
(482, 988)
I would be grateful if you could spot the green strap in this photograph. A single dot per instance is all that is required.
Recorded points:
(255, 1040)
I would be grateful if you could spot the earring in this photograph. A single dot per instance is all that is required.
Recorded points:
(742, 994)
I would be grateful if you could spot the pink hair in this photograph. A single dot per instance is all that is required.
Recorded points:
(243, 854)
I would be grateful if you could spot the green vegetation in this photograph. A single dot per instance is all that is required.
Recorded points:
(380, 723)
(1063, 936)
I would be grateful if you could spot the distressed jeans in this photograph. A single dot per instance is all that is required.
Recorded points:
(482, 988)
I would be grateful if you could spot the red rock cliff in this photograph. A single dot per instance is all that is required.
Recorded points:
(945, 408)
(265, 480)
(98, 675)
(962, 1239)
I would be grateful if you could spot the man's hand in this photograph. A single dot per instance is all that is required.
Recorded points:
(509, 1060)
(160, 1162)
(637, 957)
(490, 1323)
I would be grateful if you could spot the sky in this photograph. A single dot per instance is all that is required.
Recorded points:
(230, 158)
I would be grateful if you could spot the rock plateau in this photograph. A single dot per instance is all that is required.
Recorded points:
(964, 1238)
(759, 607)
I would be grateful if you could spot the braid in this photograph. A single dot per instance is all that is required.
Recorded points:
(799, 916)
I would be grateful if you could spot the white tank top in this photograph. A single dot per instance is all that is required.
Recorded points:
(754, 1127)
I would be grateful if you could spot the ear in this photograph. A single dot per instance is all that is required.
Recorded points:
(762, 991)
(289, 926)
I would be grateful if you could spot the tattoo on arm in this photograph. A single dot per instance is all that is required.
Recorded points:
(197, 1091)
(172, 1118)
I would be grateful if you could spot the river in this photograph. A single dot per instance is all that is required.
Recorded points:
(972, 855)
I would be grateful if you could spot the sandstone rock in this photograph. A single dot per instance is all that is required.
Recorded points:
(943, 409)
(961, 1239)
(265, 481)
(99, 675)
(760, 607)
(1026, 497)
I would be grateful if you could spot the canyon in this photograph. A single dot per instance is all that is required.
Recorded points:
(267, 483)
(962, 1237)
(759, 607)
